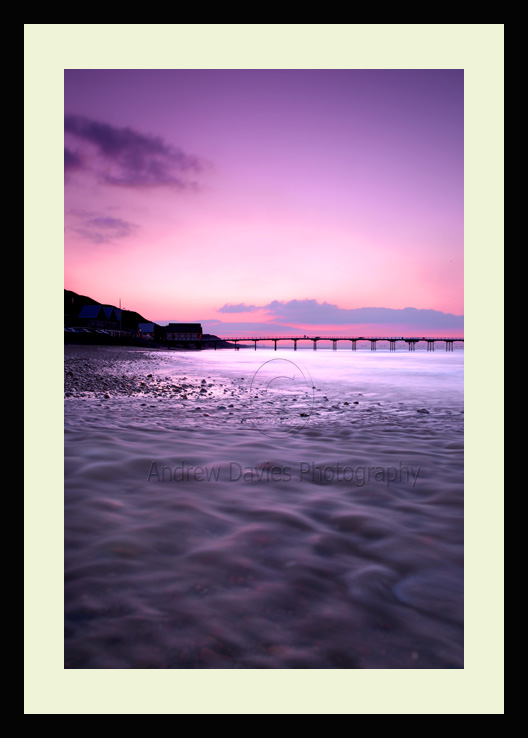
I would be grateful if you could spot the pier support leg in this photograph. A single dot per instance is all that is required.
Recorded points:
(295, 345)
(315, 345)
(334, 345)
(275, 345)
(255, 345)
(215, 345)
(354, 345)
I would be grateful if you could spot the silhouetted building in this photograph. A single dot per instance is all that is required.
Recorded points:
(93, 316)
(104, 317)
(113, 314)
(146, 330)
(184, 332)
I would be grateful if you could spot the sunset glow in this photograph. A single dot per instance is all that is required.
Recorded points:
(297, 196)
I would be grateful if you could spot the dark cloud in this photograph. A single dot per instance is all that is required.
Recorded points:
(134, 159)
(311, 312)
(105, 229)
(240, 308)
(71, 161)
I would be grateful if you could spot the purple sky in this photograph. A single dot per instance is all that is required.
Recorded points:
(296, 199)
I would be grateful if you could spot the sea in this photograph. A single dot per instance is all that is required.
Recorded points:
(262, 509)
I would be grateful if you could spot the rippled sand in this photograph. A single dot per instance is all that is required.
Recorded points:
(195, 540)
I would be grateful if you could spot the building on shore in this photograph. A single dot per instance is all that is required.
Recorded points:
(184, 332)
(146, 330)
(113, 314)
(103, 317)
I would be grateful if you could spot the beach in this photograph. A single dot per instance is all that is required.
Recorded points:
(260, 509)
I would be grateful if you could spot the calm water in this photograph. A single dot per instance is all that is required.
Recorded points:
(269, 514)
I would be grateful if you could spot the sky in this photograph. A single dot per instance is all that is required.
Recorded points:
(269, 202)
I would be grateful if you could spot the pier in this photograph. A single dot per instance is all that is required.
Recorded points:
(374, 340)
